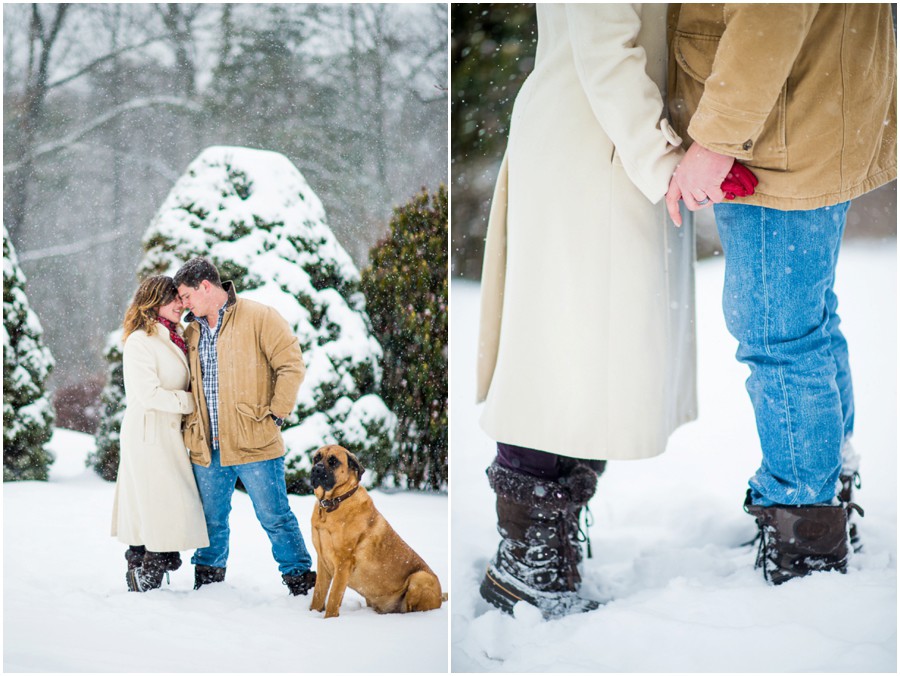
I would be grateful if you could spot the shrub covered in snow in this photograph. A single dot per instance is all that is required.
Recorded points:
(253, 215)
(105, 458)
(27, 412)
(406, 288)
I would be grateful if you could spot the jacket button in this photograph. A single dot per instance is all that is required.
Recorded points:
(747, 145)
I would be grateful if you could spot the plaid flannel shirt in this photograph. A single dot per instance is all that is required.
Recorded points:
(209, 371)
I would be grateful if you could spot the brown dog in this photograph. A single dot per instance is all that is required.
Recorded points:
(357, 547)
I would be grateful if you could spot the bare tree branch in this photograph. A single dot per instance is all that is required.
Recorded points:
(155, 165)
(81, 132)
(103, 59)
(70, 249)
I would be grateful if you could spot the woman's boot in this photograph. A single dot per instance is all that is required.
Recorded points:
(149, 574)
(135, 556)
(537, 560)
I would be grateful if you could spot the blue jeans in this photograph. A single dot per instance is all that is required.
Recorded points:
(265, 485)
(779, 303)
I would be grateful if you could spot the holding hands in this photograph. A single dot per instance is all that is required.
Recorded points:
(706, 176)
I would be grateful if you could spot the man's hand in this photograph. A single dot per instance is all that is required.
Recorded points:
(699, 177)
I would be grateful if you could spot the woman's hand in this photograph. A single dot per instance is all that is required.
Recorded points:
(699, 178)
(739, 181)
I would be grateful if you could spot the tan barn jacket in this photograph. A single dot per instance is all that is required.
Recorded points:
(803, 94)
(260, 372)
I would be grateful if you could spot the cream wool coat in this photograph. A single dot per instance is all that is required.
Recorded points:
(586, 344)
(156, 503)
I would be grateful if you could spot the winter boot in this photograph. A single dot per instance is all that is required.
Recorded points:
(795, 541)
(207, 575)
(537, 560)
(135, 556)
(848, 481)
(300, 583)
(150, 573)
(569, 476)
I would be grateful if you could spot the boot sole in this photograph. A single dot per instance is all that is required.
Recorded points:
(499, 596)
(505, 599)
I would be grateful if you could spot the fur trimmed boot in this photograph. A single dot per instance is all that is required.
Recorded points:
(795, 541)
(134, 556)
(538, 556)
(149, 574)
(207, 575)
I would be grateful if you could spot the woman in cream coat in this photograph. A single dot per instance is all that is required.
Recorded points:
(157, 508)
(587, 348)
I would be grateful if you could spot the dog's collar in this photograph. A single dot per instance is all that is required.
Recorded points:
(334, 503)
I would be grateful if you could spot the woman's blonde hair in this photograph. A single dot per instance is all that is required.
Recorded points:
(152, 294)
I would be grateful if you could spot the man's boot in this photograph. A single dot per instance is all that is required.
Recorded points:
(207, 575)
(537, 560)
(149, 574)
(850, 479)
(796, 541)
(299, 584)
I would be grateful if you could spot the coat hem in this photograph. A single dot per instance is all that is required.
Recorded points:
(761, 199)
(519, 438)
(163, 547)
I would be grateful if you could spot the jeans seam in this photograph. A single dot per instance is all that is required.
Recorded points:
(787, 410)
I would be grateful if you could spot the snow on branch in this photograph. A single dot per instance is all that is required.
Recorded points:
(97, 122)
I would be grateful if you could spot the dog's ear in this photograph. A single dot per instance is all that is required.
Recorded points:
(353, 464)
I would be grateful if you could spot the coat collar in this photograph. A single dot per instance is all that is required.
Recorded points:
(163, 334)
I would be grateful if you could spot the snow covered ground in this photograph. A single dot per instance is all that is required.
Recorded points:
(66, 608)
(667, 533)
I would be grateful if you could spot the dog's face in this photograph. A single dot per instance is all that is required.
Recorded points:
(334, 466)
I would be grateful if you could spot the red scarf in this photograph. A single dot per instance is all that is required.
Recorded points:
(173, 334)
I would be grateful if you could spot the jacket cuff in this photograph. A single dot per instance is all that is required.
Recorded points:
(725, 131)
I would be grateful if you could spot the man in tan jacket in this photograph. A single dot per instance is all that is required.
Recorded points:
(805, 96)
(246, 369)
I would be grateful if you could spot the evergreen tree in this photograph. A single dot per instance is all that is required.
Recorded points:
(252, 214)
(406, 288)
(27, 411)
(105, 458)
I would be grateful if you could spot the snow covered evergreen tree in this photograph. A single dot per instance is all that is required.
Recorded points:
(27, 411)
(406, 288)
(105, 458)
(253, 215)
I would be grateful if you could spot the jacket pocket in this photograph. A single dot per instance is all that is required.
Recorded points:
(695, 55)
(193, 437)
(255, 427)
(149, 427)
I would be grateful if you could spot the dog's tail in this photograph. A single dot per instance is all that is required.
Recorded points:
(444, 597)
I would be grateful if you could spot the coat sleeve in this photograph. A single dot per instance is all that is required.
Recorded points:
(756, 53)
(493, 279)
(142, 379)
(625, 100)
(282, 350)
